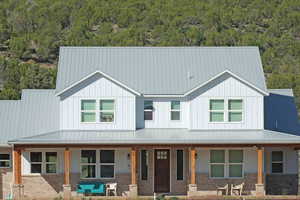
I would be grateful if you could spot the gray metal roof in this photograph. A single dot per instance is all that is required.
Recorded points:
(37, 112)
(162, 136)
(283, 92)
(159, 70)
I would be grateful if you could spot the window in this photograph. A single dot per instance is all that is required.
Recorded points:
(88, 110)
(4, 160)
(235, 163)
(235, 110)
(107, 164)
(36, 159)
(277, 162)
(179, 164)
(43, 162)
(88, 163)
(144, 164)
(175, 110)
(217, 163)
(216, 109)
(107, 110)
(51, 160)
(148, 110)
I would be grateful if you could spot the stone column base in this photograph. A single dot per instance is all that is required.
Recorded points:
(18, 191)
(67, 191)
(133, 191)
(260, 190)
(192, 190)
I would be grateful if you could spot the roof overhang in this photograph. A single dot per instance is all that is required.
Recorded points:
(103, 74)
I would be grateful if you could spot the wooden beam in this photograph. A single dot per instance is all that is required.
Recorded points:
(67, 164)
(193, 165)
(17, 166)
(133, 157)
(260, 166)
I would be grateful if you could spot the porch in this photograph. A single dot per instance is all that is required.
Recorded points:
(141, 170)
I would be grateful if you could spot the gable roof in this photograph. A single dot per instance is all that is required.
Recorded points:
(37, 112)
(159, 70)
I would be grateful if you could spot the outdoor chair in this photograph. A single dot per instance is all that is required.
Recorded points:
(237, 188)
(223, 188)
(111, 188)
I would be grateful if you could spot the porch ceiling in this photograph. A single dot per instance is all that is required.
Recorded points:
(161, 136)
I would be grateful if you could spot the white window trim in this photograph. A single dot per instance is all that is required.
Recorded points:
(226, 165)
(98, 165)
(97, 111)
(9, 161)
(147, 162)
(152, 110)
(175, 110)
(226, 110)
(283, 162)
(43, 163)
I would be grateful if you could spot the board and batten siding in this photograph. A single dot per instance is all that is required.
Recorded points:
(227, 88)
(162, 113)
(101, 88)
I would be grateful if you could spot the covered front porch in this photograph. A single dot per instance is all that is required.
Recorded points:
(142, 170)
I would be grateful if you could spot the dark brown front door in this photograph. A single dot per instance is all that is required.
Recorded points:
(162, 171)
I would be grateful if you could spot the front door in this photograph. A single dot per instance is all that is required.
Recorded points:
(162, 171)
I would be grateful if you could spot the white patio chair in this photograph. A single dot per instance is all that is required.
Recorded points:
(238, 188)
(111, 187)
(223, 188)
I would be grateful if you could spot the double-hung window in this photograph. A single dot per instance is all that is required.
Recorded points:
(144, 164)
(236, 163)
(175, 110)
(107, 110)
(88, 164)
(148, 110)
(277, 162)
(216, 110)
(4, 160)
(107, 164)
(235, 110)
(43, 162)
(217, 163)
(88, 110)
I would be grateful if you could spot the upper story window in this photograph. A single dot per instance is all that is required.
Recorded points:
(277, 162)
(175, 110)
(230, 110)
(4, 160)
(216, 110)
(235, 110)
(104, 112)
(148, 110)
(88, 110)
(107, 110)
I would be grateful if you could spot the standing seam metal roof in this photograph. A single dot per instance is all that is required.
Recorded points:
(159, 70)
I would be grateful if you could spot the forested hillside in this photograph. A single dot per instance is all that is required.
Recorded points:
(31, 32)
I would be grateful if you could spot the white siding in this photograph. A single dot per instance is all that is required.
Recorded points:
(161, 115)
(250, 160)
(227, 88)
(100, 88)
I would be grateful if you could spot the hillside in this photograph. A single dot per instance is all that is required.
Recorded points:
(32, 31)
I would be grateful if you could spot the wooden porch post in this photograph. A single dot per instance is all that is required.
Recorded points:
(193, 165)
(133, 190)
(17, 166)
(67, 169)
(260, 188)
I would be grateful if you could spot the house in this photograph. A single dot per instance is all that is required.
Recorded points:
(176, 120)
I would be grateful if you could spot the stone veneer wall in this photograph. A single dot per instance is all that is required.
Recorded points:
(281, 184)
(6, 179)
(208, 186)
